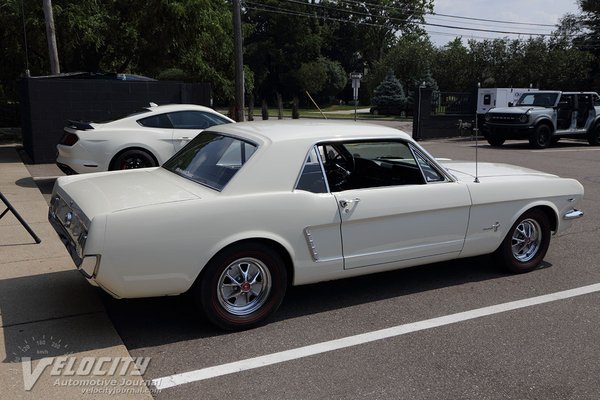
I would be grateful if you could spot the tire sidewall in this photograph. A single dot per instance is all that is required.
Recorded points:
(541, 131)
(116, 165)
(505, 250)
(206, 293)
(495, 139)
(594, 135)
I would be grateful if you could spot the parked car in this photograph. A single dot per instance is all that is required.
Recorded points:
(543, 117)
(146, 138)
(407, 110)
(244, 210)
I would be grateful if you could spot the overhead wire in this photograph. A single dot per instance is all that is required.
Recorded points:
(278, 9)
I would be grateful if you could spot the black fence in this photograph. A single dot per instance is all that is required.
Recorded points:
(443, 114)
(47, 104)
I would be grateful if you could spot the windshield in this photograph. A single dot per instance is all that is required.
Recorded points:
(211, 159)
(538, 99)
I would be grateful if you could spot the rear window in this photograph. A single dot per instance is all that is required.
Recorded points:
(211, 159)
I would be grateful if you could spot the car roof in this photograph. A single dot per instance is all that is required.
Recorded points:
(308, 130)
(177, 107)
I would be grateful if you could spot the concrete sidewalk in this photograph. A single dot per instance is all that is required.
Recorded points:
(48, 312)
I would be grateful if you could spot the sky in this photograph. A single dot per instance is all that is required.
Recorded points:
(527, 12)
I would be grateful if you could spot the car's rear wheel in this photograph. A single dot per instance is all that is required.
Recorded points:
(541, 137)
(526, 243)
(134, 158)
(594, 135)
(242, 286)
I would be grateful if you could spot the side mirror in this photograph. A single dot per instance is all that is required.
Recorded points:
(510, 104)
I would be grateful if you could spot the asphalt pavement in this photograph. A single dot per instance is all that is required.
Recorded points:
(48, 312)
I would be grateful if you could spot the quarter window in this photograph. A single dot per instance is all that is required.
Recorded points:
(312, 179)
(156, 121)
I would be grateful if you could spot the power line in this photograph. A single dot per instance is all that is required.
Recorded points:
(351, 12)
(433, 13)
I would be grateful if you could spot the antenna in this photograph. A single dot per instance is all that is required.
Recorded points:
(477, 142)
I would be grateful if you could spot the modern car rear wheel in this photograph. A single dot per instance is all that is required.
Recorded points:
(526, 243)
(133, 158)
(242, 286)
(594, 135)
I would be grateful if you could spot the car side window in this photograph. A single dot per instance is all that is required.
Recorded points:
(194, 120)
(370, 164)
(311, 178)
(156, 121)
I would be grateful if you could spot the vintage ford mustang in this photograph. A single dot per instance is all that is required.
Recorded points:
(244, 210)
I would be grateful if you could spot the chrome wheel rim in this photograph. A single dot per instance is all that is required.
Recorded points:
(244, 286)
(526, 240)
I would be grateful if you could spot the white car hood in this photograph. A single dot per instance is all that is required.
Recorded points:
(103, 193)
(465, 170)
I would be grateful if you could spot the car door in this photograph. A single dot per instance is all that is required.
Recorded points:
(395, 203)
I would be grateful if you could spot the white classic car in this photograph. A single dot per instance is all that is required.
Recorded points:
(146, 138)
(244, 210)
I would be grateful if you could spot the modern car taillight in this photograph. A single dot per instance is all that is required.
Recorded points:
(69, 139)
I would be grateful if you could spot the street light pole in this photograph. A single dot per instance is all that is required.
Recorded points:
(238, 60)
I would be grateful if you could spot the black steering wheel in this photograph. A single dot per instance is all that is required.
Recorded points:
(339, 166)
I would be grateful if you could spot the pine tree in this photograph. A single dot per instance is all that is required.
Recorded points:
(389, 93)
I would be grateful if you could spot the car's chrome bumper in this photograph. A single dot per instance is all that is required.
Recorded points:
(573, 214)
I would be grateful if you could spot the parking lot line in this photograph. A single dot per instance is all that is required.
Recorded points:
(564, 150)
(350, 341)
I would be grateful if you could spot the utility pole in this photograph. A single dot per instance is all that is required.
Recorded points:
(51, 35)
(238, 60)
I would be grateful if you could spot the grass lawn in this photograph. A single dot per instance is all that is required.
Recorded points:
(341, 112)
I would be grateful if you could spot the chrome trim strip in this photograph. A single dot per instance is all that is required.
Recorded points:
(311, 244)
(573, 214)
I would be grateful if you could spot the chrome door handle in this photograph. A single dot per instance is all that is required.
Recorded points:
(346, 203)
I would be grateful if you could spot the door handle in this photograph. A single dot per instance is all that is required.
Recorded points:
(346, 203)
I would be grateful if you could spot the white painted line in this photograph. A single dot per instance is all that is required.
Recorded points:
(306, 351)
(563, 150)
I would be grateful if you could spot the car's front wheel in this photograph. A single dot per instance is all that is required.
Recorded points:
(541, 137)
(495, 140)
(526, 243)
(134, 158)
(242, 286)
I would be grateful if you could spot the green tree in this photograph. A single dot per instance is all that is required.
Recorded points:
(143, 37)
(389, 93)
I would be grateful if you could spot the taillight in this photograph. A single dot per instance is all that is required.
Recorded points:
(69, 139)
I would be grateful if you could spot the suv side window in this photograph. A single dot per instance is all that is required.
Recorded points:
(596, 99)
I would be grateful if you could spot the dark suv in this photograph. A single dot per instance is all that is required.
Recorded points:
(544, 117)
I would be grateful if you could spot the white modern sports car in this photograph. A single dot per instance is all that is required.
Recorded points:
(146, 138)
(244, 210)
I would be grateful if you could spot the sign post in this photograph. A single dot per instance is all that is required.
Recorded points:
(355, 76)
